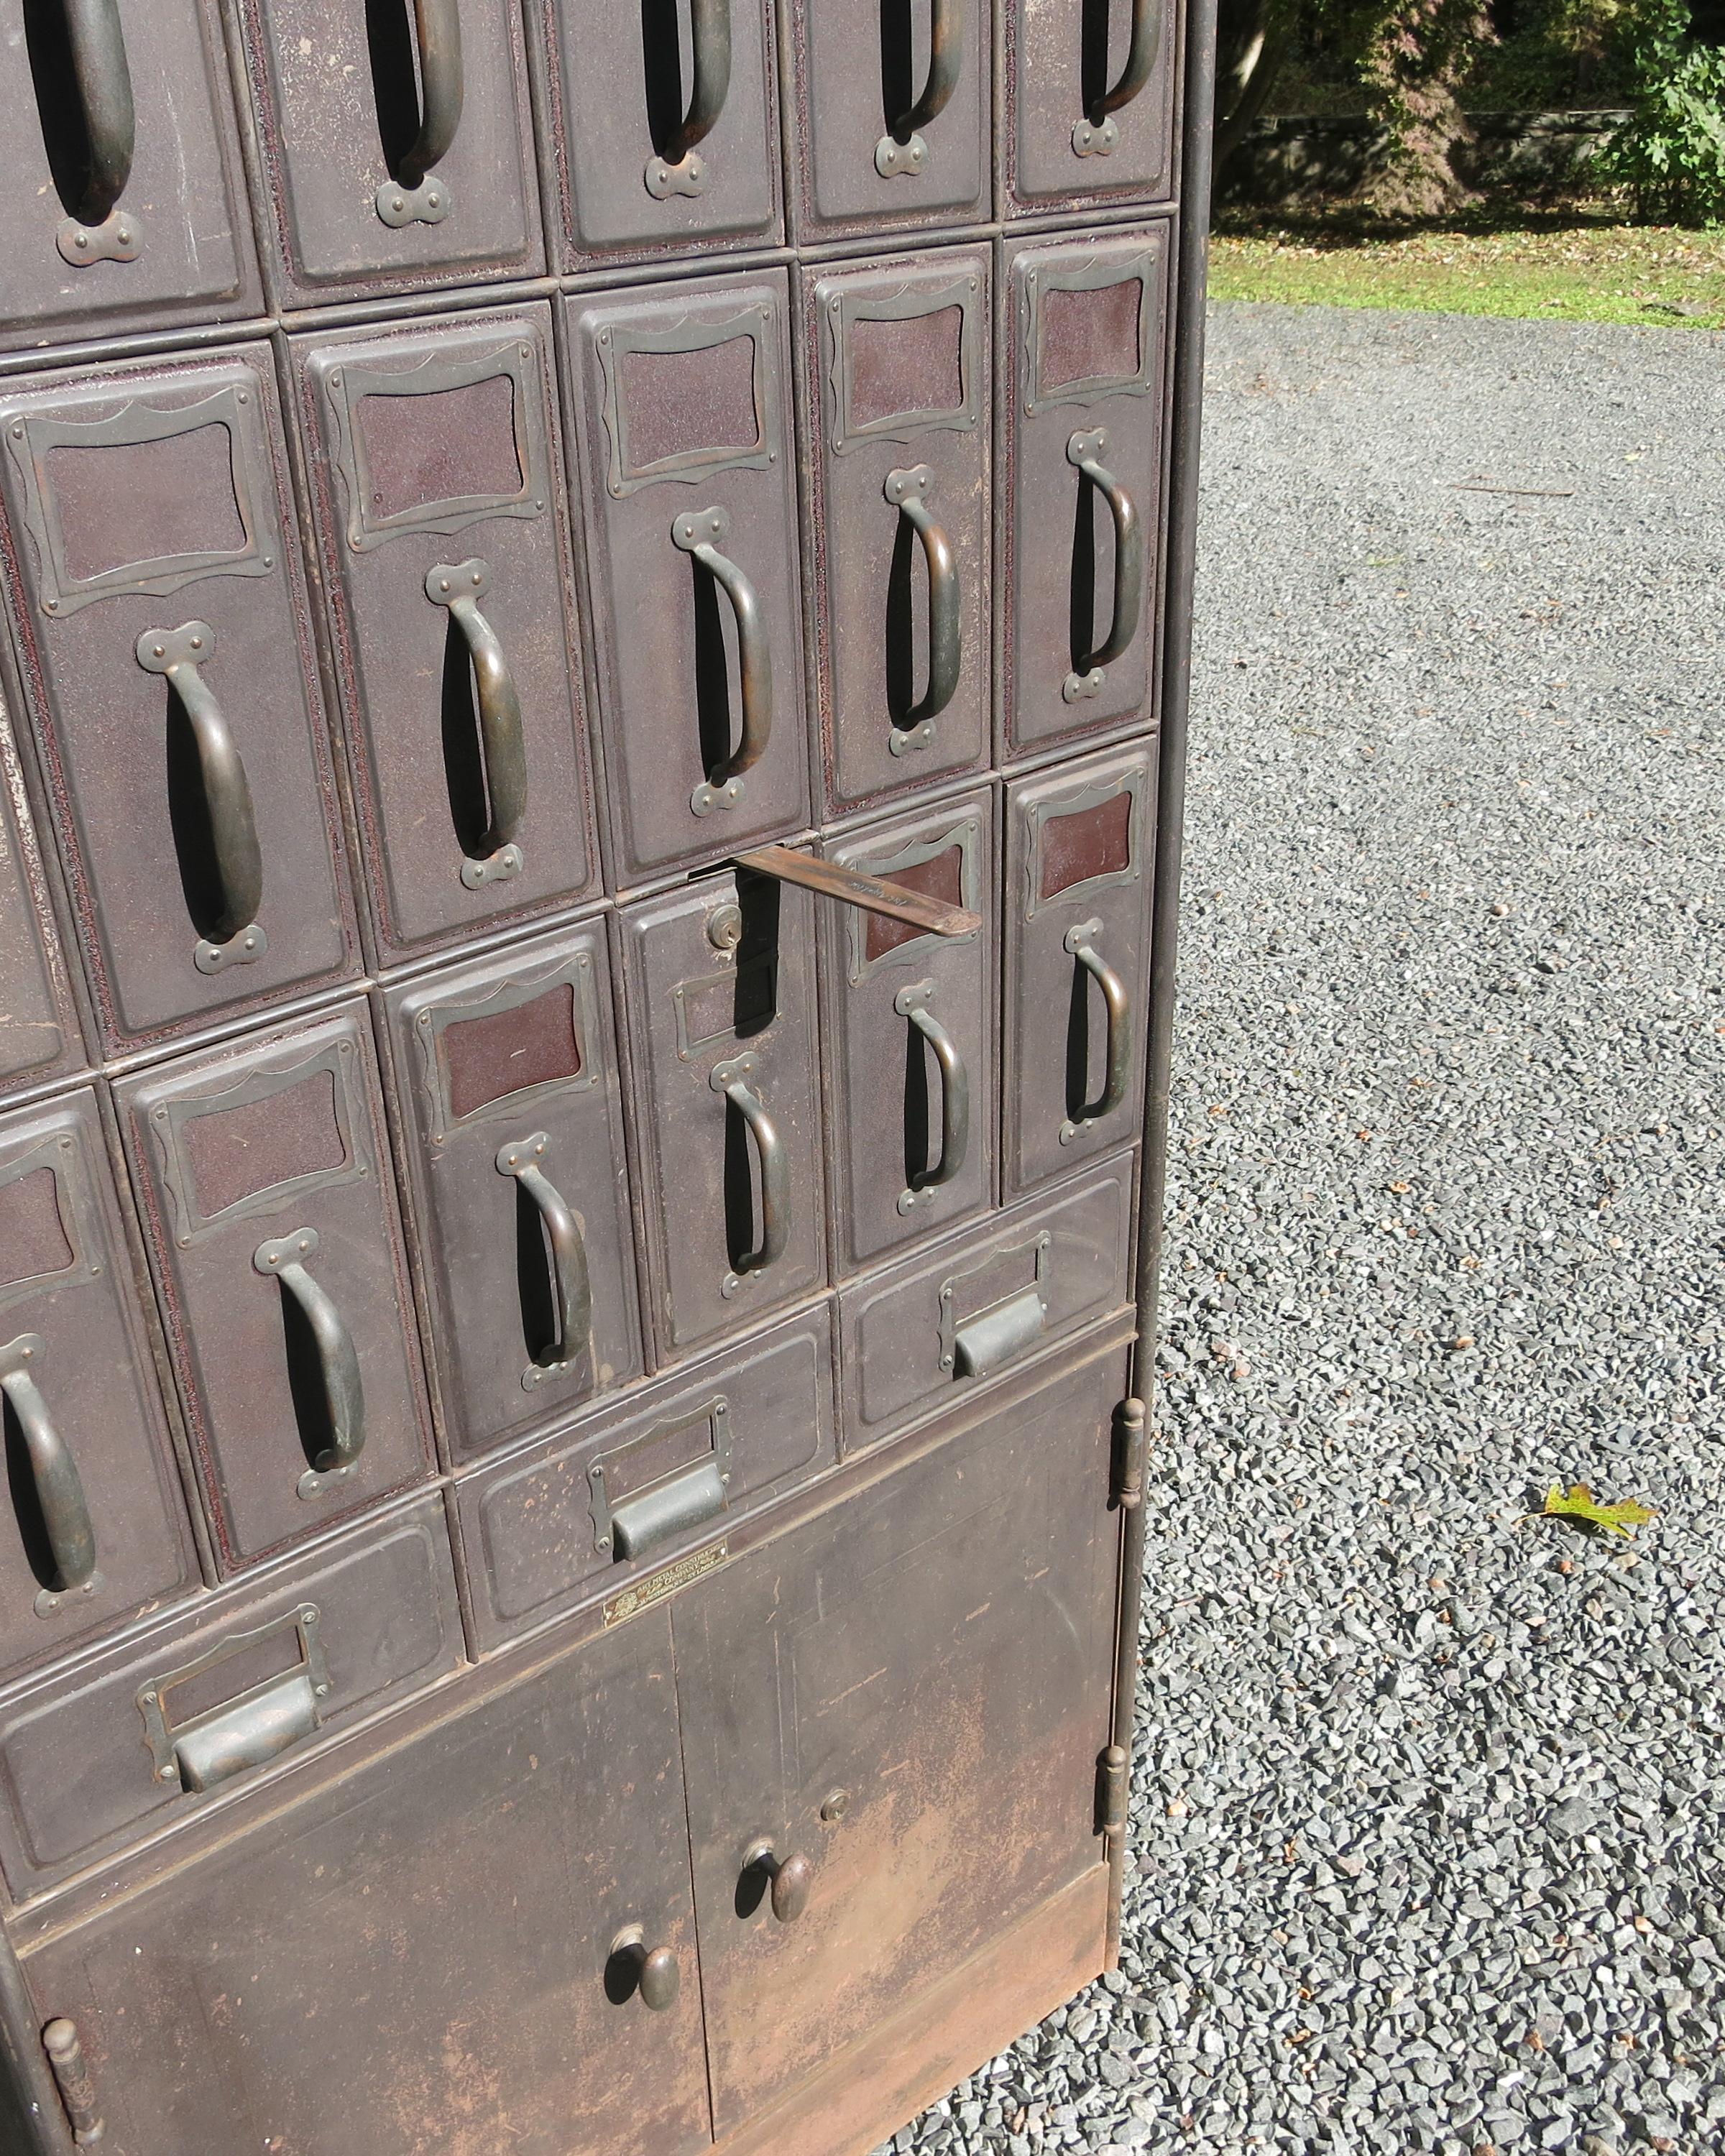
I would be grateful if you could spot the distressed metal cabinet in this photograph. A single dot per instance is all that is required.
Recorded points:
(889, 127)
(1090, 95)
(269, 1206)
(719, 988)
(438, 483)
(912, 1096)
(491, 1922)
(913, 1688)
(899, 401)
(1080, 853)
(40, 1040)
(163, 644)
(511, 1113)
(124, 204)
(391, 143)
(682, 426)
(659, 128)
(1085, 325)
(95, 1524)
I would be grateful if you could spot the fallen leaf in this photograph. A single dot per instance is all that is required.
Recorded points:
(1579, 1503)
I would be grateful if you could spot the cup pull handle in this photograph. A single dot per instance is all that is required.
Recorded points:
(701, 534)
(1085, 450)
(54, 1472)
(912, 1002)
(572, 1278)
(730, 1078)
(686, 1501)
(908, 491)
(283, 1258)
(902, 150)
(233, 936)
(461, 586)
(247, 1735)
(437, 28)
(1080, 943)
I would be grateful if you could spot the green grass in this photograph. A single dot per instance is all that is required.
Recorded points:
(1579, 270)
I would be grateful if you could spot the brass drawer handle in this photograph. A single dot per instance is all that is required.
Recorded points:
(676, 169)
(731, 1079)
(1085, 450)
(459, 586)
(410, 195)
(283, 1258)
(901, 152)
(908, 490)
(1097, 134)
(59, 1493)
(912, 1002)
(572, 1279)
(1080, 943)
(700, 534)
(96, 231)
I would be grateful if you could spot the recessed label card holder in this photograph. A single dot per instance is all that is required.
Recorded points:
(689, 400)
(903, 363)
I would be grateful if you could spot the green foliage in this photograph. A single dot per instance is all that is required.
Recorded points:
(1671, 156)
(1579, 1503)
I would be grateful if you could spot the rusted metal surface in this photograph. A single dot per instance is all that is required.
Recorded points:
(852, 886)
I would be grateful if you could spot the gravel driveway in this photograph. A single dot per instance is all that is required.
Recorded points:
(1429, 1851)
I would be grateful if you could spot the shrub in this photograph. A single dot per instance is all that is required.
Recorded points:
(1671, 155)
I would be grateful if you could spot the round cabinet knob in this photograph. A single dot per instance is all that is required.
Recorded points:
(660, 1980)
(793, 1882)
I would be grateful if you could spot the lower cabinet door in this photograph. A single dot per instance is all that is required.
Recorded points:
(450, 1951)
(892, 1718)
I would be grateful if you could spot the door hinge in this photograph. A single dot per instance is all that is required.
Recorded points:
(1113, 1772)
(1126, 1486)
(65, 2055)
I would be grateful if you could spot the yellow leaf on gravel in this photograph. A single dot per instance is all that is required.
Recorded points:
(1579, 1503)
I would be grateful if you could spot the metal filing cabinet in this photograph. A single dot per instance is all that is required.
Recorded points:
(596, 621)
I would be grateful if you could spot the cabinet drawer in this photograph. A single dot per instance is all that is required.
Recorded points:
(644, 156)
(507, 1075)
(899, 405)
(1090, 118)
(1086, 326)
(151, 1731)
(594, 1512)
(95, 1524)
(719, 989)
(270, 1203)
(890, 123)
(105, 235)
(920, 1336)
(1080, 845)
(40, 1041)
(162, 628)
(684, 431)
(390, 159)
(912, 1092)
(438, 484)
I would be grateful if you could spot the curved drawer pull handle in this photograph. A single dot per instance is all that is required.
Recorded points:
(677, 170)
(410, 195)
(283, 1258)
(901, 151)
(634, 1970)
(233, 936)
(461, 586)
(791, 1878)
(701, 534)
(1085, 450)
(731, 1079)
(1098, 133)
(908, 491)
(59, 1493)
(572, 1279)
(1080, 942)
(98, 230)
(912, 1002)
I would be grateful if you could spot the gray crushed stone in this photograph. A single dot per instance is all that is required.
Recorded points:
(1427, 1847)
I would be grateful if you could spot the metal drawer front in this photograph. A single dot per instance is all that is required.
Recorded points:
(270, 1204)
(910, 1062)
(395, 143)
(891, 123)
(892, 1717)
(506, 1074)
(39, 1040)
(918, 1337)
(605, 1510)
(1088, 327)
(899, 402)
(719, 986)
(1079, 846)
(438, 485)
(144, 1734)
(685, 441)
(1094, 117)
(660, 132)
(160, 612)
(112, 227)
(94, 1525)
